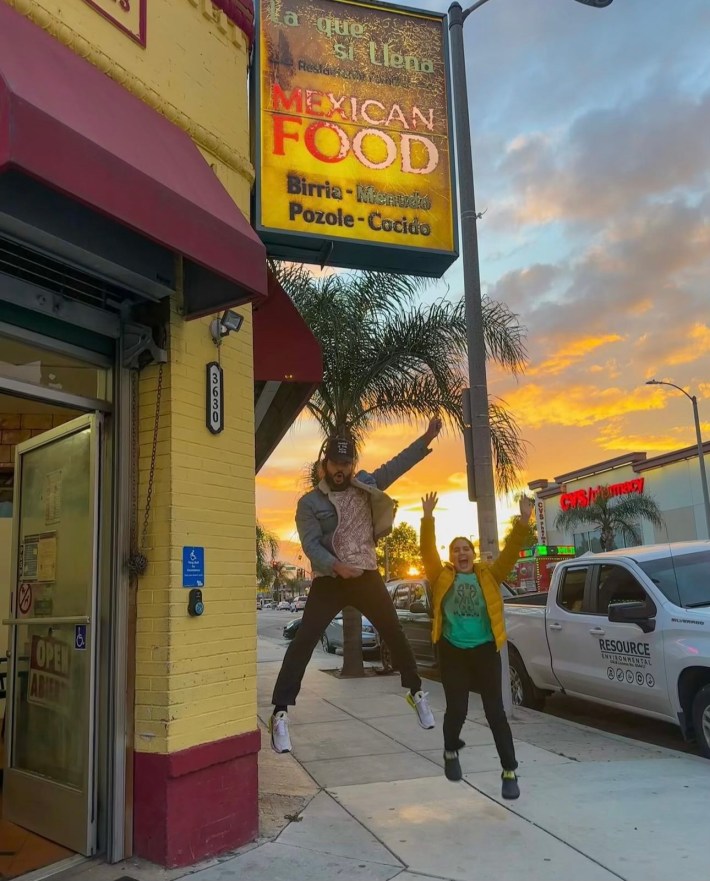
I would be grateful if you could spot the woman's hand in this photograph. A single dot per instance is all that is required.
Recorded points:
(429, 503)
(526, 508)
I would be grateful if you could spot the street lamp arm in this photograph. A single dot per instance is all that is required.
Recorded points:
(671, 384)
(473, 8)
(701, 447)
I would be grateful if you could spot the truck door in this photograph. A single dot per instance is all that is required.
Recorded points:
(568, 622)
(624, 664)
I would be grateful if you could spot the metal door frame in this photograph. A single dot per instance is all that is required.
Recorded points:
(57, 799)
(112, 778)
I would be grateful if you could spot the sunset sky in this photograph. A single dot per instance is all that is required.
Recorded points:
(590, 137)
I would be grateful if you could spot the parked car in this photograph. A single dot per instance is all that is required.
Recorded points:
(332, 638)
(290, 629)
(268, 605)
(284, 606)
(299, 604)
(628, 628)
(412, 600)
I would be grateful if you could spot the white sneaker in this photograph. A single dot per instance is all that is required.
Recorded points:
(420, 704)
(278, 726)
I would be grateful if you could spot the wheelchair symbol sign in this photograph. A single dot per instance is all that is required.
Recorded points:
(193, 567)
(80, 637)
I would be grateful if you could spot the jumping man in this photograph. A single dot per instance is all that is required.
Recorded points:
(339, 523)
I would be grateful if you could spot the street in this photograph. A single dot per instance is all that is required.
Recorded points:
(613, 721)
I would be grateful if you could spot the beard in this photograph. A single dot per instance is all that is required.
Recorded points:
(342, 483)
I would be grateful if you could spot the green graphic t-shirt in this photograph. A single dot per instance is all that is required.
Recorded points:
(466, 621)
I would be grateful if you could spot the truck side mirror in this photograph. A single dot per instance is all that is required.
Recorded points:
(633, 613)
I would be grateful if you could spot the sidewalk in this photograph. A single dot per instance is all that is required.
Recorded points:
(374, 803)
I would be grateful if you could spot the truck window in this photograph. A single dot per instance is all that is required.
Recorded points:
(683, 578)
(618, 585)
(571, 593)
(418, 594)
(401, 597)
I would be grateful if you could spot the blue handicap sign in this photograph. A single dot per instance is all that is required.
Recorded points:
(80, 637)
(193, 567)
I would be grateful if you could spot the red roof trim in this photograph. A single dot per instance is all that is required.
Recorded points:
(240, 13)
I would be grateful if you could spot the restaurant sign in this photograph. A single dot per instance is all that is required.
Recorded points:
(354, 151)
(129, 16)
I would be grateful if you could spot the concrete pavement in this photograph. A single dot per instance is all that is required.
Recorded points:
(367, 799)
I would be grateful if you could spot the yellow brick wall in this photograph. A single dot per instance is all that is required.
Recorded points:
(195, 677)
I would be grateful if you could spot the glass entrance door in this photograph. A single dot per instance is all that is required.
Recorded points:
(49, 784)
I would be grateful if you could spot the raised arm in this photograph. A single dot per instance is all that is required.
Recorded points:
(389, 472)
(427, 539)
(507, 557)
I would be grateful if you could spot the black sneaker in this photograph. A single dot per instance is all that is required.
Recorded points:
(510, 788)
(452, 766)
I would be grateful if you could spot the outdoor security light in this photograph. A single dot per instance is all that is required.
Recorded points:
(230, 322)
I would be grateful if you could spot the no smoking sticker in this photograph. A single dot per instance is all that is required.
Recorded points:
(24, 599)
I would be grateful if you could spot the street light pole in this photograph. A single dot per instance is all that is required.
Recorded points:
(479, 440)
(478, 385)
(701, 462)
(699, 439)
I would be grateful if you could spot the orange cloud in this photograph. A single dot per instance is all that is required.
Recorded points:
(571, 353)
(695, 347)
(536, 406)
(613, 438)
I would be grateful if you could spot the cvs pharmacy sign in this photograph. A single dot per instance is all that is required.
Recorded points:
(582, 498)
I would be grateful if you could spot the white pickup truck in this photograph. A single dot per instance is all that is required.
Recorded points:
(628, 628)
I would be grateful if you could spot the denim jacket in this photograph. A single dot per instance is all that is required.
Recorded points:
(317, 519)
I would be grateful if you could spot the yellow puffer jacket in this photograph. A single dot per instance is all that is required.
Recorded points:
(442, 575)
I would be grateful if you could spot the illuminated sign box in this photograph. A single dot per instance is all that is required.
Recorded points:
(354, 149)
(548, 551)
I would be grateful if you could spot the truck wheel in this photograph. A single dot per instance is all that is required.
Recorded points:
(524, 692)
(701, 720)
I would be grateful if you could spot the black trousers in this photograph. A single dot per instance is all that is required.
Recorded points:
(328, 596)
(478, 668)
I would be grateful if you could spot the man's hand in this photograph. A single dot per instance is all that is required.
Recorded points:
(429, 503)
(343, 570)
(526, 508)
(435, 426)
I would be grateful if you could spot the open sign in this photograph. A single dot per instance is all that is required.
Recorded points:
(48, 684)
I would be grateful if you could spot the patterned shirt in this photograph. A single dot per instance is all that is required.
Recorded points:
(353, 540)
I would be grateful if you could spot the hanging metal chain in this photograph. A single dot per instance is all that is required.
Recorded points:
(138, 562)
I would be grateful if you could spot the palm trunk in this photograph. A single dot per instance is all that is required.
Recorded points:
(352, 643)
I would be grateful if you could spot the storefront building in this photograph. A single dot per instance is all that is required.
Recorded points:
(134, 414)
(672, 480)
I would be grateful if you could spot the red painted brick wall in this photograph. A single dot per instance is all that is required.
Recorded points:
(196, 803)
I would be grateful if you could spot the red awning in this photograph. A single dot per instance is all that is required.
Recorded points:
(285, 350)
(65, 123)
(288, 367)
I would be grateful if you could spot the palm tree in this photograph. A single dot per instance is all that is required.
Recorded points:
(612, 515)
(267, 546)
(387, 358)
